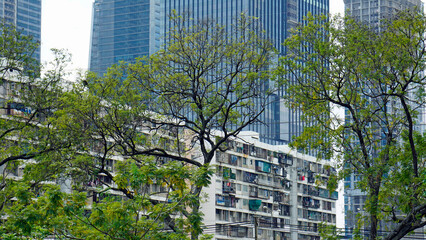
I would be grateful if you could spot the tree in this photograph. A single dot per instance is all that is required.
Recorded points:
(377, 79)
(33, 150)
(144, 134)
(16, 53)
(26, 135)
(206, 79)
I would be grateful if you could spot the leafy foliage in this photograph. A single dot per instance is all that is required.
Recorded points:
(29, 143)
(377, 79)
(136, 144)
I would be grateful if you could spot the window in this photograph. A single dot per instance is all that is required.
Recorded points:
(356, 199)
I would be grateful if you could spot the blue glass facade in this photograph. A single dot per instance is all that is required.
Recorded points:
(120, 32)
(25, 15)
(125, 29)
(280, 124)
(277, 16)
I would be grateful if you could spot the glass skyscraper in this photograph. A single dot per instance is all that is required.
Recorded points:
(25, 15)
(277, 18)
(126, 29)
(120, 32)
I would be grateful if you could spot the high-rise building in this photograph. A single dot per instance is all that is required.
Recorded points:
(25, 15)
(126, 29)
(277, 17)
(270, 184)
(121, 31)
(372, 12)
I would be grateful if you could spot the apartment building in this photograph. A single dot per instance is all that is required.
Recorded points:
(267, 189)
(258, 188)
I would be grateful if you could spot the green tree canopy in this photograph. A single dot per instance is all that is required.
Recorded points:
(143, 136)
(32, 148)
(377, 79)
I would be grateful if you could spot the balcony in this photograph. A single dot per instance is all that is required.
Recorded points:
(310, 203)
(263, 193)
(286, 184)
(258, 152)
(281, 197)
(277, 183)
(313, 191)
(233, 160)
(228, 188)
(253, 193)
(263, 166)
(229, 173)
(226, 201)
(314, 216)
(250, 177)
(264, 182)
(285, 159)
(284, 210)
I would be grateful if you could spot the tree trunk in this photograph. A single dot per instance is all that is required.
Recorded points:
(373, 226)
(196, 228)
(194, 233)
(375, 189)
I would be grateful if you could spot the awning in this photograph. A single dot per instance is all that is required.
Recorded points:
(254, 204)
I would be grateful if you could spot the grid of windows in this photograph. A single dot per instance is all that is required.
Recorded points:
(279, 124)
(262, 182)
(126, 29)
(120, 32)
(26, 16)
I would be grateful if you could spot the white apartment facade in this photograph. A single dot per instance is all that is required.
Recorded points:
(269, 189)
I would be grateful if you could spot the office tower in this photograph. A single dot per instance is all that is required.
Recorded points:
(25, 15)
(277, 17)
(124, 30)
(270, 184)
(121, 31)
(372, 12)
